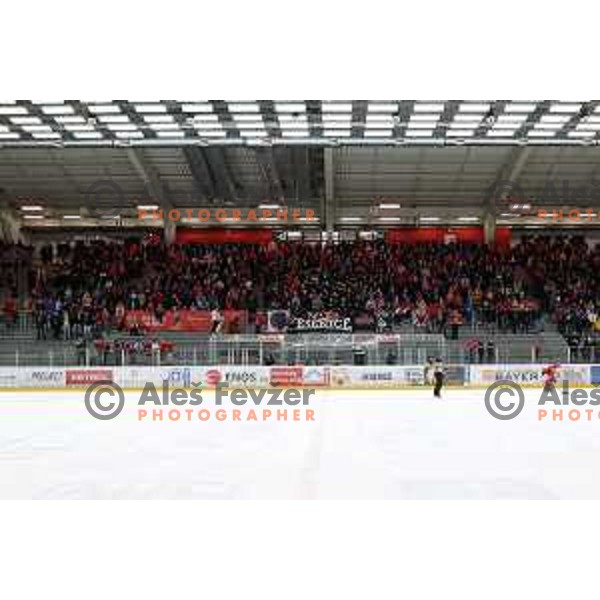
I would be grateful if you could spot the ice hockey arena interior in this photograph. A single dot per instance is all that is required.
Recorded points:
(348, 246)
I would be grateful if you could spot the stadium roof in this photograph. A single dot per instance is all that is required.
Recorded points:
(226, 122)
(355, 163)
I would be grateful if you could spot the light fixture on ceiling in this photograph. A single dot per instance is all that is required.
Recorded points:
(377, 133)
(26, 120)
(520, 107)
(13, 110)
(383, 107)
(159, 118)
(428, 107)
(197, 108)
(474, 107)
(103, 109)
(150, 108)
(290, 107)
(565, 108)
(343, 107)
(211, 133)
(164, 127)
(426, 133)
(336, 133)
(171, 133)
(58, 109)
(501, 132)
(243, 107)
(294, 133)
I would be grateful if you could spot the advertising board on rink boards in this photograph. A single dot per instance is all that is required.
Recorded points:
(249, 376)
(527, 374)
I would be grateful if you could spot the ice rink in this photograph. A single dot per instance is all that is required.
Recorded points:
(362, 444)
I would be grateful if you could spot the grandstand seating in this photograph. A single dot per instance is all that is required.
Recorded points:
(469, 293)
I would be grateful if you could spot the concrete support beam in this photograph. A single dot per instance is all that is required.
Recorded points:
(270, 174)
(155, 188)
(10, 226)
(170, 231)
(505, 186)
(489, 228)
(201, 173)
(506, 180)
(329, 209)
(150, 177)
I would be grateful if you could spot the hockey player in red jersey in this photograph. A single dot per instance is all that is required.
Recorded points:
(550, 374)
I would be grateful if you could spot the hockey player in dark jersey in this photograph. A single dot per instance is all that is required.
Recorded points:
(438, 378)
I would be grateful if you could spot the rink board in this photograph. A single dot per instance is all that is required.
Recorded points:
(258, 377)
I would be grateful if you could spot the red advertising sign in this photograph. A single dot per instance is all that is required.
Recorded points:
(286, 376)
(224, 236)
(87, 376)
(446, 235)
(184, 320)
(213, 377)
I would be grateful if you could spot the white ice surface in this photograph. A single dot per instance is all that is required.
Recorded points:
(380, 444)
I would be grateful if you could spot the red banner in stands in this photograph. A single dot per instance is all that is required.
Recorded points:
(503, 237)
(445, 235)
(224, 236)
(185, 320)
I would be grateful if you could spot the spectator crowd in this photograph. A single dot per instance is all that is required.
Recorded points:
(85, 289)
